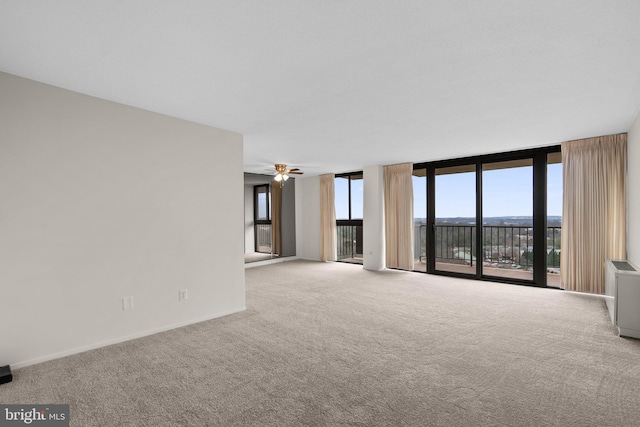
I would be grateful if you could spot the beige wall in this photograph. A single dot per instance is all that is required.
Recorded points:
(373, 221)
(99, 201)
(308, 218)
(633, 192)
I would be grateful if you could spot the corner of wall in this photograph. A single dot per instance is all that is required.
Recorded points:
(308, 218)
(373, 223)
(633, 192)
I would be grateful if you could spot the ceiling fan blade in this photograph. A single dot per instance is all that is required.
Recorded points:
(294, 169)
(295, 173)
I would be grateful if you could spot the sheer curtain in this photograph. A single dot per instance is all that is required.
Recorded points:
(398, 215)
(276, 215)
(327, 218)
(593, 210)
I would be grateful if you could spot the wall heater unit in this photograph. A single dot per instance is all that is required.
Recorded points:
(622, 288)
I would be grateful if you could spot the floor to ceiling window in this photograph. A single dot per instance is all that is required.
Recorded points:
(455, 219)
(349, 214)
(554, 218)
(419, 179)
(262, 218)
(494, 217)
(507, 218)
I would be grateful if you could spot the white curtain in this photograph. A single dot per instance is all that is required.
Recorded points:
(327, 218)
(398, 215)
(593, 210)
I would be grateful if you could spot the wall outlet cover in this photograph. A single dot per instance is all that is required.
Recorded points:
(127, 303)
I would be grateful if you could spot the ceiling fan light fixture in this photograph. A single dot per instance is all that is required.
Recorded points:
(282, 173)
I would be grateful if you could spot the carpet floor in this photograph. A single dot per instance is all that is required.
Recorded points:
(330, 344)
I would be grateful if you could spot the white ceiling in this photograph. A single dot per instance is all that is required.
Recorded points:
(335, 85)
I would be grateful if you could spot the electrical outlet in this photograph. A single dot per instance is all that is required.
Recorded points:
(127, 303)
(183, 295)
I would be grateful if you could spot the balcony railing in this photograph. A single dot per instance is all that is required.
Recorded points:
(263, 238)
(349, 243)
(503, 245)
(455, 243)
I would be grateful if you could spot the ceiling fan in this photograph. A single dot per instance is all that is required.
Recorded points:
(282, 173)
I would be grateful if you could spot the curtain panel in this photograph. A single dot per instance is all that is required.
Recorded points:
(398, 215)
(593, 210)
(327, 218)
(276, 218)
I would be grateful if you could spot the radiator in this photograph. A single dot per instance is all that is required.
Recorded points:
(622, 289)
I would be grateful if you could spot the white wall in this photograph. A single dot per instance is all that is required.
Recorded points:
(99, 201)
(633, 192)
(249, 233)
(308, 218)
(373, 222)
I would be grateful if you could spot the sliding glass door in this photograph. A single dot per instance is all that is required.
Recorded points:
(507, 219)
(454, 227)
(493, 217)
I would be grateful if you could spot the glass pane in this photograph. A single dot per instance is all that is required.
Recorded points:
(349, 243)
(261, 203)
(263, 238)
(554, 218)
(357, 203)
(507, 219)
(342, 197)
(420, 219)
(455, 226)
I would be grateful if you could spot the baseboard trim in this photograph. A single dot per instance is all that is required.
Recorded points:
(118, 340)
(600, 296)
(270, 261)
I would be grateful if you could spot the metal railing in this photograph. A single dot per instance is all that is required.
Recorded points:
(263, 238)
(455, 243)
(554, 235)
(510, 245)
(507, 245)
(420, 242)
(349, 242)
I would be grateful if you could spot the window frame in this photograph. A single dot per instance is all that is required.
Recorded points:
(539, 157)
(350, 221)
(256, 220)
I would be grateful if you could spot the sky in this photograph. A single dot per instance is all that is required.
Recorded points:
(342, 198)
(506, 192)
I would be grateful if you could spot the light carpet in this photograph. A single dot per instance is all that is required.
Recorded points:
(332, 344)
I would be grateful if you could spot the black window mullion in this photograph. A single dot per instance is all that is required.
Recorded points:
(540, 219)
(431, 218)
(479, 251)
(349, 186)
